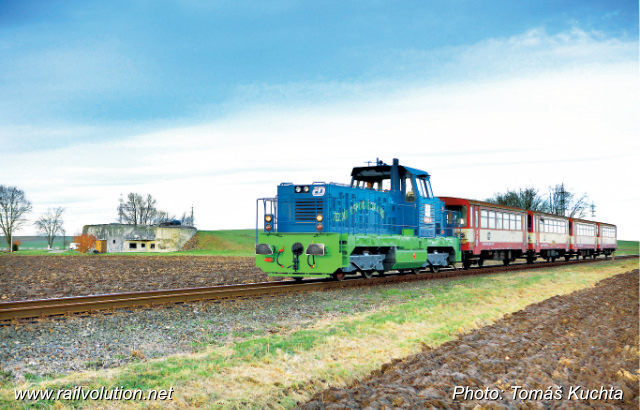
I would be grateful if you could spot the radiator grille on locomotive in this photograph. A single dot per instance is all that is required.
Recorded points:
(308, 209)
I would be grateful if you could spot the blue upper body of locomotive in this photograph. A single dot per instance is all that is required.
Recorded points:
(381, 199)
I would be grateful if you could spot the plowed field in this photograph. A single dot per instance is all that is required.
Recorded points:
(588, 338)
(34, 277)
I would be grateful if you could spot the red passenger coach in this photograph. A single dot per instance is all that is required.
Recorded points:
(489, 231)
(549, 236)
(584, 237)
(607, 242)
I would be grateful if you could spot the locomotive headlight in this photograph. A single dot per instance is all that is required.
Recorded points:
(319, 218)
(268, 218)
(298, 189)
(319, 227)
(306, 189)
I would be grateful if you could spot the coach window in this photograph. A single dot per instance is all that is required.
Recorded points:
(483, 219)
(492, 220)
(499, 220)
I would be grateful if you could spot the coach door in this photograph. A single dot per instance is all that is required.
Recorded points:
(476, 230)
(536, 229)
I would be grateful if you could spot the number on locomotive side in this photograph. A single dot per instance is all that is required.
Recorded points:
(318, 191)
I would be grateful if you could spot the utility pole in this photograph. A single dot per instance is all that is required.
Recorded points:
(192, 224)
(563, 200)
(593, 210)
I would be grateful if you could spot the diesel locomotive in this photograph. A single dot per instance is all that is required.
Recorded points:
(388, 218)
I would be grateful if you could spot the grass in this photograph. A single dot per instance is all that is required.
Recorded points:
(628, 248)
(285, 368)
(36, 242)
(236, 242)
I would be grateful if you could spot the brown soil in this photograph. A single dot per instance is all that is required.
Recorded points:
(35, 277)
(588, 338)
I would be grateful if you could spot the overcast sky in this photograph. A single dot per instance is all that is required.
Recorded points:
(212, 104)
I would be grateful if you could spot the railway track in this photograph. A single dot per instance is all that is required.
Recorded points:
(85, 304)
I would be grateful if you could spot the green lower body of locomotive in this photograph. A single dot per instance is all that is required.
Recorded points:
(409, 252)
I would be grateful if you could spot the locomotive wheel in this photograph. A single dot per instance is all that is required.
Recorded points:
(567, 257)
(298, 279)
(506, 262)
(338, 276)
(415, 271)
(553, 259)
(480, 262)
(530, 260)
(367, 274)
(434, 268)
(594, 256)
(466, 264)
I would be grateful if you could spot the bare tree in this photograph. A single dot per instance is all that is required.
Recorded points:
(527, 198)
(13, 207)
(187, 218)
(162, 217)
(137, 210)
(50, 224)
(566, 203)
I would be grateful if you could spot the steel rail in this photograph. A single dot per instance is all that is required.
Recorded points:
(79, 304)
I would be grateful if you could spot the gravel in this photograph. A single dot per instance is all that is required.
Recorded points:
(102, 340)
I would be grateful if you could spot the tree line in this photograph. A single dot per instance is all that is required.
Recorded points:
(136, 209)
(558, 201)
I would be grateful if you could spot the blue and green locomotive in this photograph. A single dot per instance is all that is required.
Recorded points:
(386, 219)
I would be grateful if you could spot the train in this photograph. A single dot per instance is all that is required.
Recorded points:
(388, 219)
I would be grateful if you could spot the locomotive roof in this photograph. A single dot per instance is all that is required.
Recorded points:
(383, 171)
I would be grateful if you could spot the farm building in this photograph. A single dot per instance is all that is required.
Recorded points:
(139, 238)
